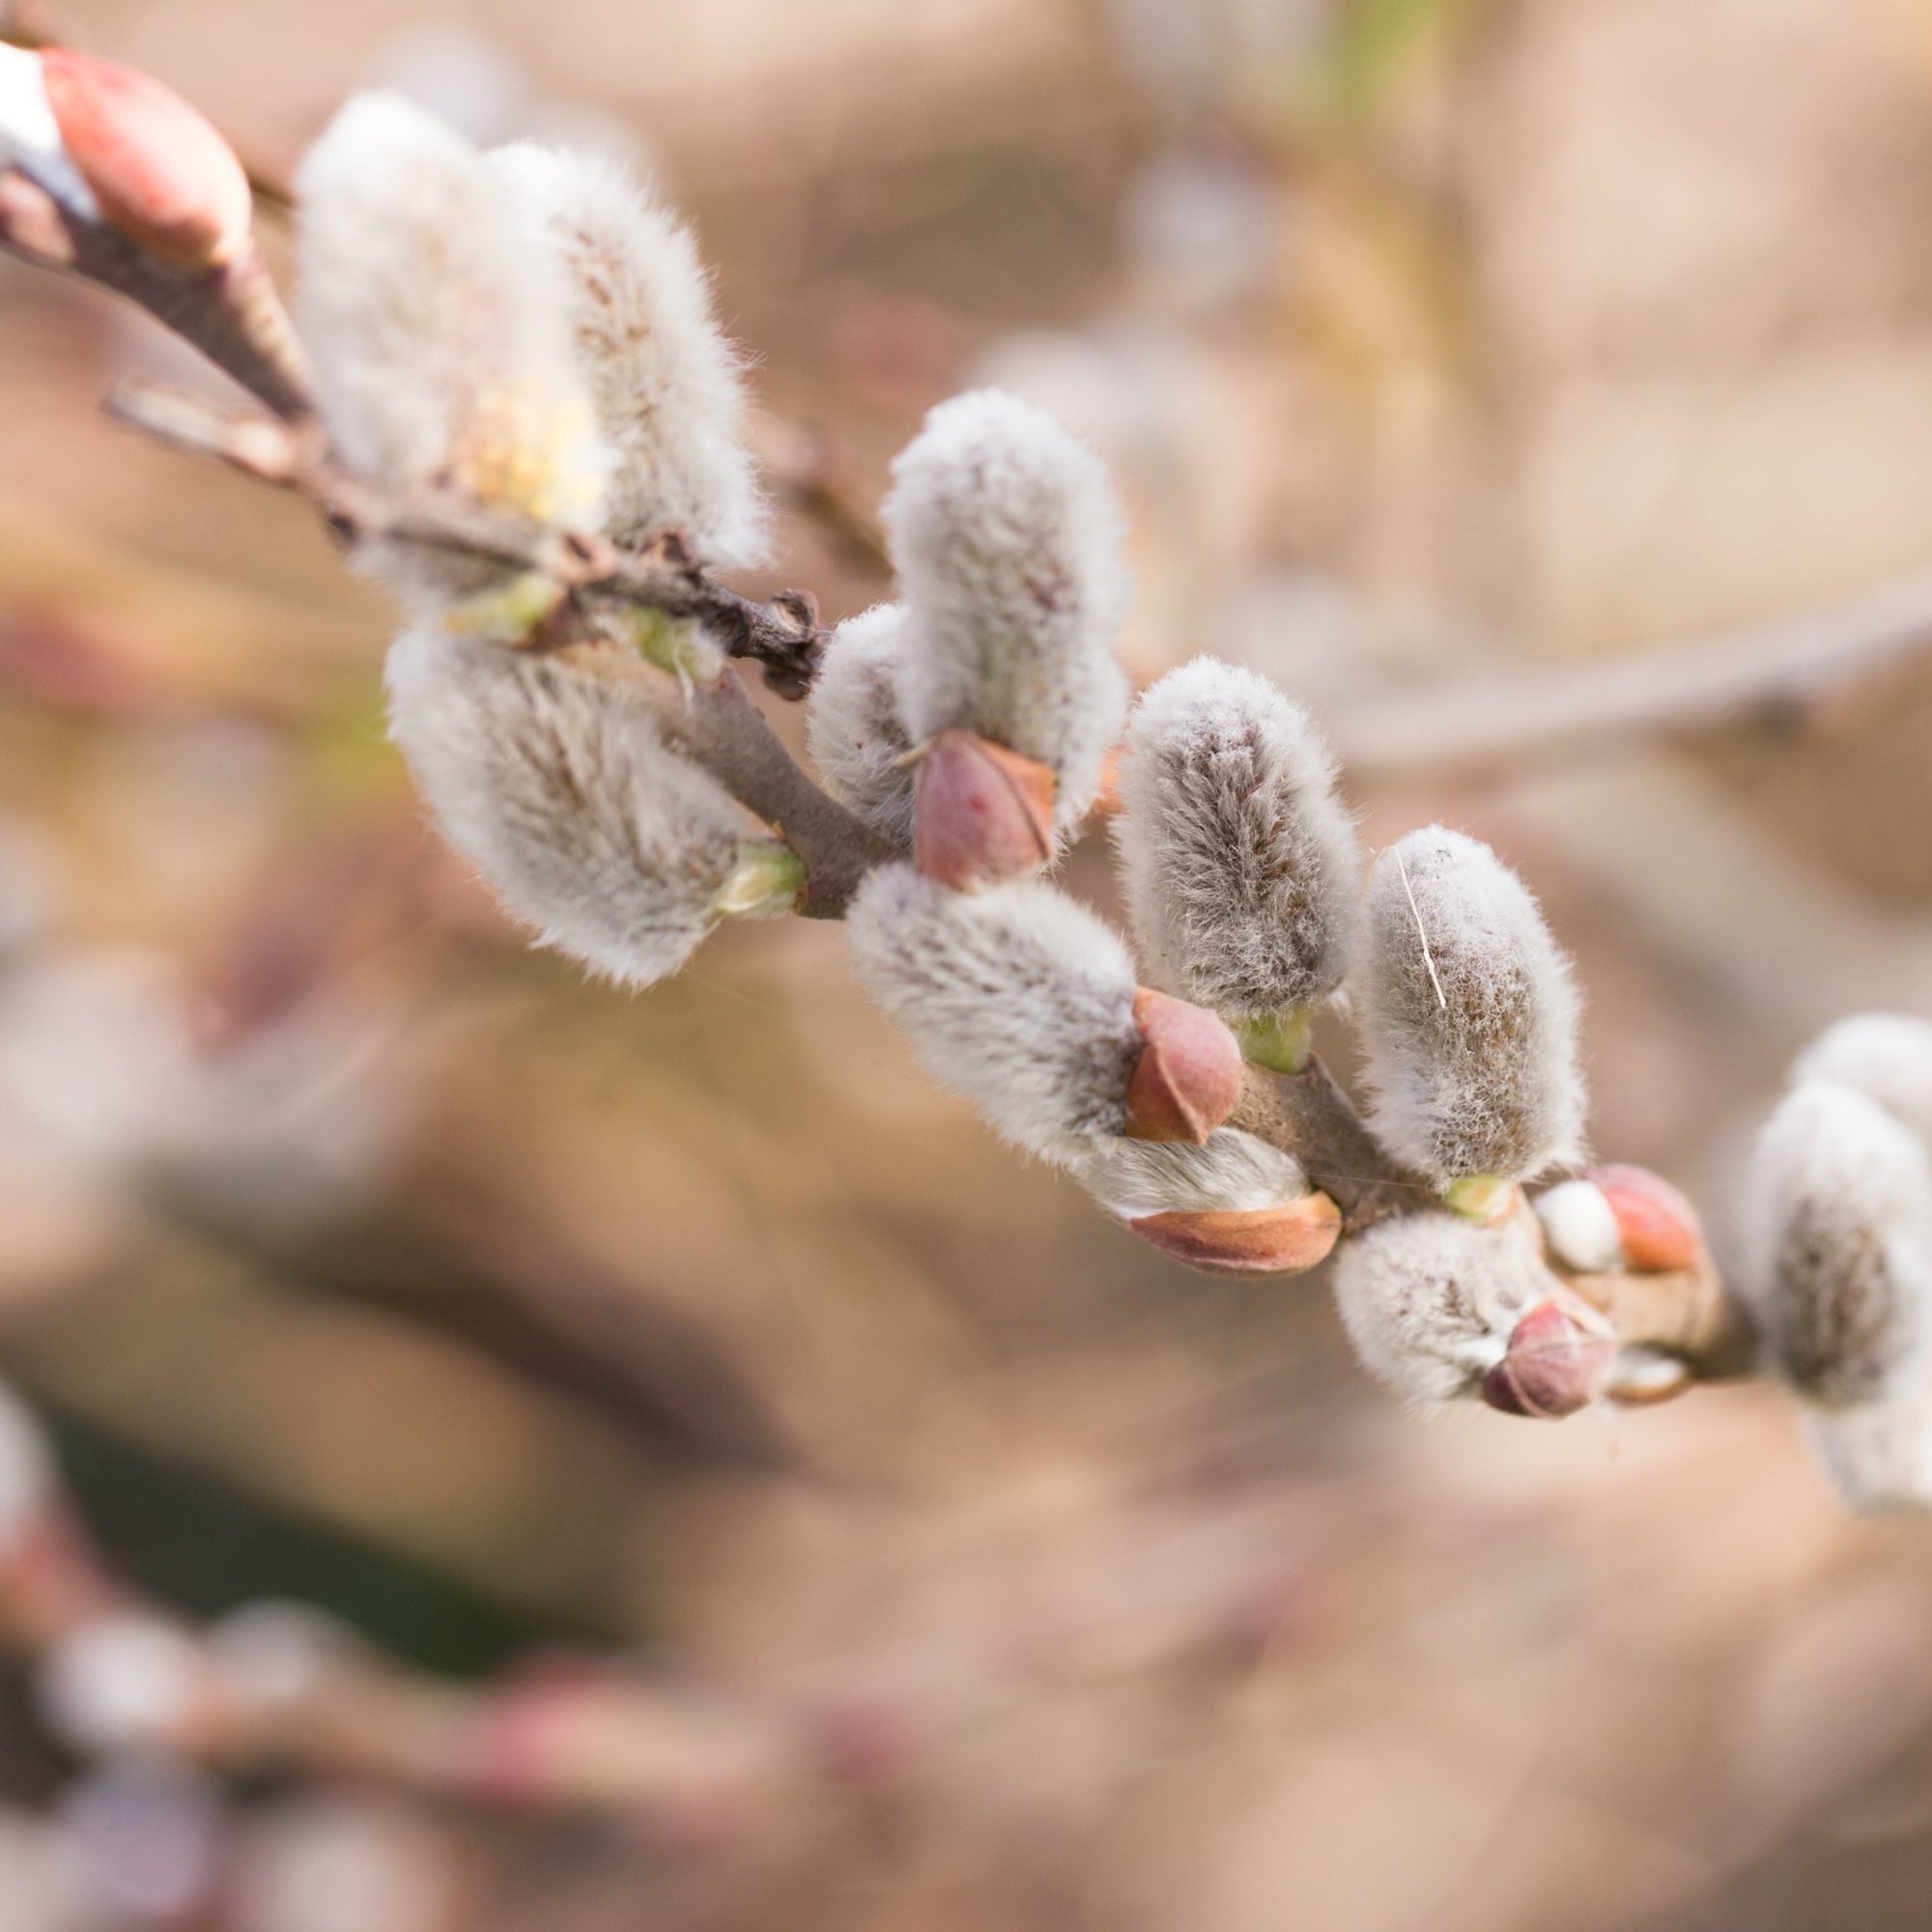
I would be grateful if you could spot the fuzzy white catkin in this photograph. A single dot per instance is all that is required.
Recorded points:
(1231, 1170)
(663, 380)
(1838, 1220)
(1008, 542)
(1469, 1015)
(439, 319)
(1238, 862)
(1016, 998)
(563, 794)
(852, 723)
(1429, 1300)
(1888, 1056)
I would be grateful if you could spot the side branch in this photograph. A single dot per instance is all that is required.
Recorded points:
(717, 724)
(231, 313)
(782, 636)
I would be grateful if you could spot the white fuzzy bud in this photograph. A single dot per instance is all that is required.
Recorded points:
(128, 1683)
(1228, 1171)
(30, 137)
(439, 319)
(562, 792)
(1878, 1453)
(1580, 1226)
(1430, 1299)
(1839, 1215)
(663, 380)
(1009, 545)
(852, 725)
(1469, 1015)
(1017, 998)
(1888, 1056)
(1239, 861)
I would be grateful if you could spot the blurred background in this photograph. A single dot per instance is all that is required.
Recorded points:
(1455, 356)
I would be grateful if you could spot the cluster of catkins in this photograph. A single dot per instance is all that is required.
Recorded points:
(530, 328)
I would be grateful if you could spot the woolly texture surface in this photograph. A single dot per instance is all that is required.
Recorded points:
(1007, 543)
(1238, 862)
(1888, 1056)
(1879, 1454)
(439, 322)
(1469, 1015)
(852, 725)
(1839, 1215)
(1229, 1170)
(1017, 998)
(564, 796)
(1429, 1300)
(663, 380)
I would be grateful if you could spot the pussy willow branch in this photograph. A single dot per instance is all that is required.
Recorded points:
(717, 724)
(1307, 1115)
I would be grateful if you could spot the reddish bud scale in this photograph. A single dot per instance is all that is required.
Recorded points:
(1286, 1239)
(1656, 1227)
(162, 175)
(1559, 1359)
(1188, 1076)
(983, 815)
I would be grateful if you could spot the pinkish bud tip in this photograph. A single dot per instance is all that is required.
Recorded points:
(1188, 1076)
(1285, 1240)
(162, 175)
(1656, 1227)
(1559, 1360)
(983, 814)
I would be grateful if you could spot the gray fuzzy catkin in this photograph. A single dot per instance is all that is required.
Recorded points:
(1429, 1300)
(1888, 1056)
(1474, 1065)
(665, 381)
(1879, 1453)
(1017, 998)
(1238, 862)
(563, 794)
(1838, 1225)
(1008, 542)
(1231, 1170)
(852, 725)
(438, 323)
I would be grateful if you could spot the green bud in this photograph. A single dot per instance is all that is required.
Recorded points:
(1481, 1197)
(510, 615)
(1279, 1042)
(766, 881)
(680, 645)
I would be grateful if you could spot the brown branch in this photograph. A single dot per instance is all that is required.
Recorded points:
(718, 725)
(232, 313)
(1788, 677)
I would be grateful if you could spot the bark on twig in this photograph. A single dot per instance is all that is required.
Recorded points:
(232, 314)
(718, 725)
